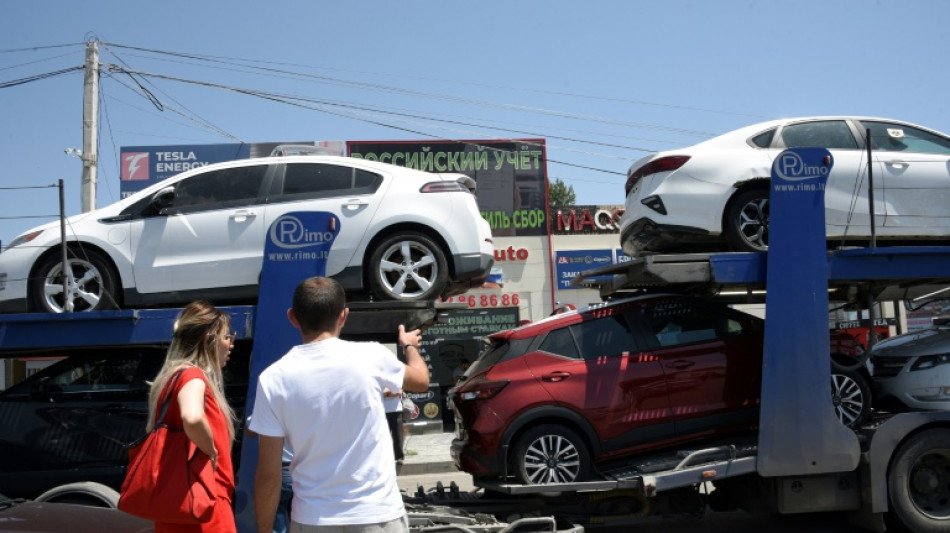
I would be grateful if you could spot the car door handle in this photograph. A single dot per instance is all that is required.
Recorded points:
(352, 205)
(242, 215)
(897, 163)
(680, 365)
(556, 376)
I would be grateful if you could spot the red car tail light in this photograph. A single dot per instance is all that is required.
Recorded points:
(479, 388)
(663, 164)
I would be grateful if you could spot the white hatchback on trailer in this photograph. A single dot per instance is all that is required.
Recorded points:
(404, 235)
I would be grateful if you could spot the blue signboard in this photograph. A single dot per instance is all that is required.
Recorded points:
(570, 263)
(796, 370)
(297, 248)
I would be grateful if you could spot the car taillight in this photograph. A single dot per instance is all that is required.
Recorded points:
(443, 186)
(663, 164)
(479, 388)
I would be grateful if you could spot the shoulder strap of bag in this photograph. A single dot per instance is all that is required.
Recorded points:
(167, 394)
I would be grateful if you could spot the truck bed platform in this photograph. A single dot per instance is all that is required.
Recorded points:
(888, 273)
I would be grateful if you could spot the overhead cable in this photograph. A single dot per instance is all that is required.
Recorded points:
(38, 77)
(292, 100)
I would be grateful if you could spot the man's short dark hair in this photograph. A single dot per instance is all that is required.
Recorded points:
(318, 303)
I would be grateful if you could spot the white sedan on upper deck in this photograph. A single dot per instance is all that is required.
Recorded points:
(714, 195)
(404, 235)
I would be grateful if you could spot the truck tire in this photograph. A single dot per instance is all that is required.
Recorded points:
(82, 493)
(918, 482)
(550, 453)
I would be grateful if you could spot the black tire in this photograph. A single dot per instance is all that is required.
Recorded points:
(851, 396)
(95, 289)
(918, 482)
(82, 493)
(746, 224)
(550, 453)
(407, 266)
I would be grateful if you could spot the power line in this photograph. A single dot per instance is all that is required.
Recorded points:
(291, 100)
(35, 48)
(37, 61)
(21, 187)
(436, 96)
(38, 77)
(197, 120)
(233, 60)
(191, 115)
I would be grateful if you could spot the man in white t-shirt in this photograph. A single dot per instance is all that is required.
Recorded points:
(323, 398)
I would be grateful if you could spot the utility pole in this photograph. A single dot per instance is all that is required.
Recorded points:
(90, 126)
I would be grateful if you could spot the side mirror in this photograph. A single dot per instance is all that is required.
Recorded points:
(163, 199)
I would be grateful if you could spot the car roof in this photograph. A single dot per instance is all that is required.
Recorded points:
(384, 168)
(579, 315)
(753, 129)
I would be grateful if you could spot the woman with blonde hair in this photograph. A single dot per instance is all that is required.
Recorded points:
(201, 345)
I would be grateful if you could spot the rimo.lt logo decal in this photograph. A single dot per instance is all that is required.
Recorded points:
(791, 167)
(289, 232)
(134, 166)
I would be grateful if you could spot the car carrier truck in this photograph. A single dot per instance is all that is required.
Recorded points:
(895, 470)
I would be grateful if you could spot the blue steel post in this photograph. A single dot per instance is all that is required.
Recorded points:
(799, 433)
(296, 248)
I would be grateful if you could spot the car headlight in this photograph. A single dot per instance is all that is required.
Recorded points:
(23, 239)
(930, 361)
(931, 394)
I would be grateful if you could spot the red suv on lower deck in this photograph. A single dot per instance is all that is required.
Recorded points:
(548, 400)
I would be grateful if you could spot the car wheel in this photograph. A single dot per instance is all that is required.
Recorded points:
(92, 286)
(747, 221)
(550, 454)
(408, 266)
(82, 493)
(851, 397)
(918, 482)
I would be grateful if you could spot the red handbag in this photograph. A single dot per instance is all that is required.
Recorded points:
(168, 479)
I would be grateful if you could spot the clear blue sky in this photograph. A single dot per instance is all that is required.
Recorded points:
(604, 81)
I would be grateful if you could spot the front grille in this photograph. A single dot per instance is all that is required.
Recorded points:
(888, 367)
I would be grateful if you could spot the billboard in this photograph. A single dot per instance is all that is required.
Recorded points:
(570, 263)
(142, 166)
(511, 175)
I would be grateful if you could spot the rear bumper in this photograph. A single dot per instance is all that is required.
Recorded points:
(646, 236)
(471, 270)
(477, 464)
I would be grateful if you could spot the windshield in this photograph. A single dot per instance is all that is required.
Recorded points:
(497, 351)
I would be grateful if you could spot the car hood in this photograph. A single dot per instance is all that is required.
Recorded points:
(928, 341)
(53, 228)
(56, 517)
